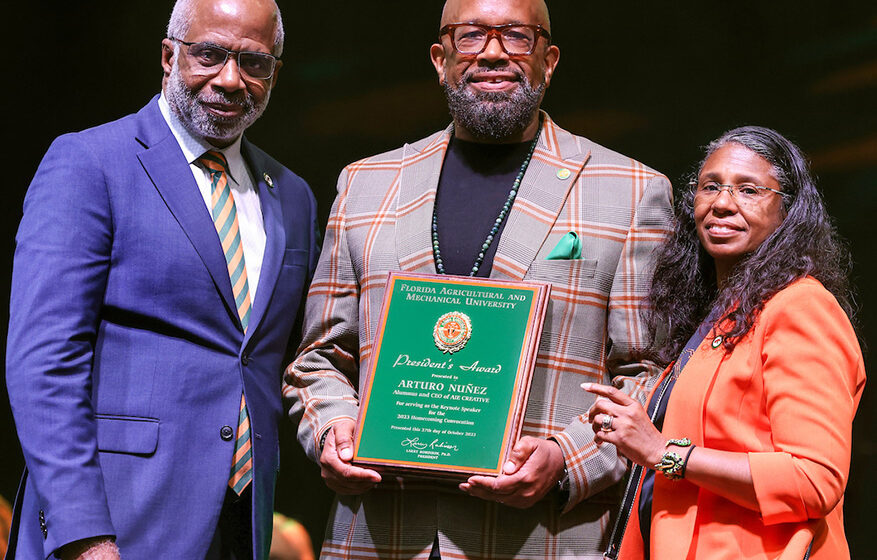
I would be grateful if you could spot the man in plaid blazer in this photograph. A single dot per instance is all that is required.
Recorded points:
(550, 500)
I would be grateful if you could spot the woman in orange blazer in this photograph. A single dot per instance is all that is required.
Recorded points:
(743, 450)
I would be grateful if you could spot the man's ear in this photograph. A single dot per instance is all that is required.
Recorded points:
(167, 56)
(437, 56)
(552, 57)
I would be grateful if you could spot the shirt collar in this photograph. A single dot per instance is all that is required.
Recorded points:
(194, 146)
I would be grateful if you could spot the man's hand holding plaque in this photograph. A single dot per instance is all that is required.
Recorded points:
(533, 469)
(336, 468)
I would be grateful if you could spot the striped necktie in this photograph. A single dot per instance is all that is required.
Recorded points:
(225, 219)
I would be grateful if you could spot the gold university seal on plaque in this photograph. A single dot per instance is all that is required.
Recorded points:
(452, 331)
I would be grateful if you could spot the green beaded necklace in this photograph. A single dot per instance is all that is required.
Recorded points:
(506, 208)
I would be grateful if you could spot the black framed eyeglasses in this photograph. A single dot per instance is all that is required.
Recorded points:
(516, 39)
(211, 59)
(745, 194)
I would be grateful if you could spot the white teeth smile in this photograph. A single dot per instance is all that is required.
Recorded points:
(721, 229)
(492, 80)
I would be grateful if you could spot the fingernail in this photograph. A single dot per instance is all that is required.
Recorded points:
(345, 453)
(586, 386)
(509, 467)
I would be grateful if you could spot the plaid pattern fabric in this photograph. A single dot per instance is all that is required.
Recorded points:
(381, 221)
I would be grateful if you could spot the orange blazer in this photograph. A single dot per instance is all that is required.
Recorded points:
(786, 396)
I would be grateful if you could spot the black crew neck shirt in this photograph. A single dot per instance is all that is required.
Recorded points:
(473, 187)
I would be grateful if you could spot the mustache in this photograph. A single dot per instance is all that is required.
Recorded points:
(243, 99)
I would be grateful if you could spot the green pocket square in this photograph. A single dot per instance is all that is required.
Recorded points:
(568, 248)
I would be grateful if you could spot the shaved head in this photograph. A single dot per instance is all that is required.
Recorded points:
(537, 8)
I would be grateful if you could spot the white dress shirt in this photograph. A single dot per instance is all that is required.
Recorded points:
(246, 198)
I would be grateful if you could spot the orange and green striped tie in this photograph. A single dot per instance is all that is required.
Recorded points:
(225, 219)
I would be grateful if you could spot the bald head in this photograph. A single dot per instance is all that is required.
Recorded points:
(456, 11)
(185, 12)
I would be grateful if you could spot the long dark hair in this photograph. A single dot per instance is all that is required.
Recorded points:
(684, 289)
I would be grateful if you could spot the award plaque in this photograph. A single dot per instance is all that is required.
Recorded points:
(449, 376)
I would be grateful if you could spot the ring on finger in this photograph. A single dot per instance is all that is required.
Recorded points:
(606, 423)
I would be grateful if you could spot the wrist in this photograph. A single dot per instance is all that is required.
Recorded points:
(561, 476)
(661, 447)
(655, 456)
(685, 460)
(323, 437)
(92, 548)
(674, 460)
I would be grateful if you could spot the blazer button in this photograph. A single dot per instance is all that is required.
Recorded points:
(226, 433)
(245, 359)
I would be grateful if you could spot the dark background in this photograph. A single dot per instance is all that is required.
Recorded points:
(653, 81)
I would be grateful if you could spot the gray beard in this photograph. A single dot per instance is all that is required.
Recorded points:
(189, 108)
(493, 115)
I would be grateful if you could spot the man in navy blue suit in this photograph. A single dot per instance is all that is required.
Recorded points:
(159, 267)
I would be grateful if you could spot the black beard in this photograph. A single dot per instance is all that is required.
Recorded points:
(494, 115)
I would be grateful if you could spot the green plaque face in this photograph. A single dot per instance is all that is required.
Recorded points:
(449, 375)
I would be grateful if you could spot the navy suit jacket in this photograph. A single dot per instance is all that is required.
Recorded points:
(126, 357)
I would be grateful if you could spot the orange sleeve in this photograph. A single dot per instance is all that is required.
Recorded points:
(813, 378)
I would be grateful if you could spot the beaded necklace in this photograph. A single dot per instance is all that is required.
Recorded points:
(437, 254)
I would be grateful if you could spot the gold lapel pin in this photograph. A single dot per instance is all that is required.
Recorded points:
(563, 174)
(268, 180)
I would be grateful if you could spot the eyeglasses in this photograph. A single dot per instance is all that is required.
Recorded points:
(745, 194)
(212, 58)
(516, 39)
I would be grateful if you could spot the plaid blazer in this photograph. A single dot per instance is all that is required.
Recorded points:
(380, 221)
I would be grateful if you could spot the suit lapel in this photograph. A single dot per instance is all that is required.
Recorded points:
(172, 177)
(556, 164)
(675, 502)
(275, 242)
(418, 181)
(690, 393)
